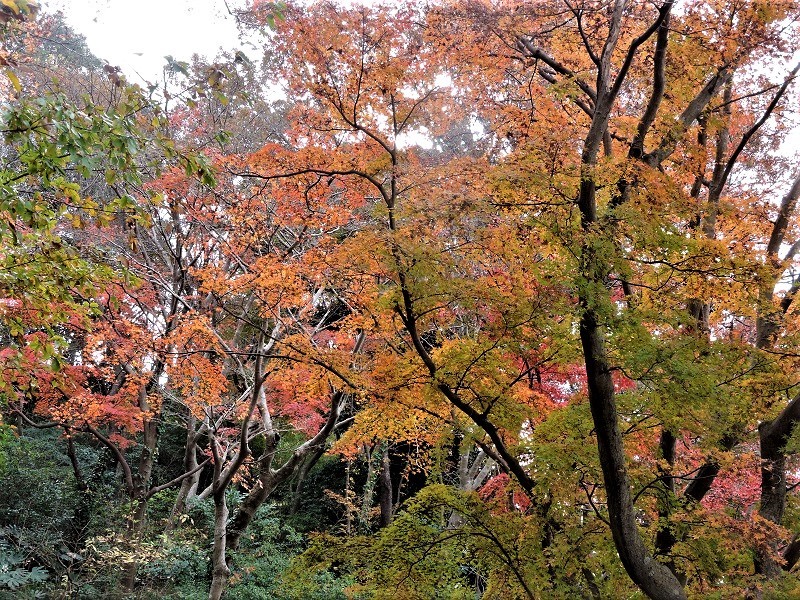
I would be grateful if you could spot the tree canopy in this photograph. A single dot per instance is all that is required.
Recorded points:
(439, 300)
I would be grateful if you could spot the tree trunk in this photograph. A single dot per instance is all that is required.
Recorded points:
(246, 511)
(187, 491)
(269, 478)
(655, 579)
(369, 490)
(80, 523)
(141, 482)
(135, 529)
(773, 434)
(385, 489)
(665, 535)
(220, 571)
(266, 484)
(773, 504)
(772, 439)
(792, 553)
(301, 477)
(189, 485)
(348, 512)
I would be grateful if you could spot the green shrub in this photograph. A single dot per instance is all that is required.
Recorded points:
(15, 573)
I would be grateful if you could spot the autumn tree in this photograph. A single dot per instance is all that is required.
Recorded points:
(613, 236)
(612, 254)
(79, 353)
(549, 249)
(250, 335)
(456, 311)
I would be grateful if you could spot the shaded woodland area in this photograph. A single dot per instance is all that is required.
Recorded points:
(453, 300)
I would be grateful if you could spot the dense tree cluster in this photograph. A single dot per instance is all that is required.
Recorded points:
(445, 300)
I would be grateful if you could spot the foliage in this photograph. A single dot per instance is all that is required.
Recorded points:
(39, 502)
(449, 544)
(165, 561)
(516, 269)
(13, 575)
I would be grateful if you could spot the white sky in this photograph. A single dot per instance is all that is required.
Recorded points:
(136, 35)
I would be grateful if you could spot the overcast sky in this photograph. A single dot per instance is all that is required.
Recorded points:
(136, 35)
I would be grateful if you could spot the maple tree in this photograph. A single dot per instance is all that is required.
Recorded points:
(375, 83)
(261, 306)
(239, 310)
(531, 266)
(78, 355)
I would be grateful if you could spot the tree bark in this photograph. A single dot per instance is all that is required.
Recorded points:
(791, 554)
(773, 497)
(385, 489)
(134, 534)
(368, 492)
(269, 479)
(246, 511)
(773, 434)
(139, 496)
(189, 485)
(220, 571)
(772, 437)
(655, 579)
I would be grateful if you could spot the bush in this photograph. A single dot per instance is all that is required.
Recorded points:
(15, 574)
(38, 506)
(266, 554)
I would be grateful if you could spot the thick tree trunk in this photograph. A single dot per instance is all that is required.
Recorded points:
(655, 579)
(772, 437)
(773, 480)
(220, 571)
(773, 502)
